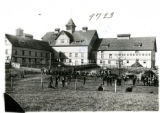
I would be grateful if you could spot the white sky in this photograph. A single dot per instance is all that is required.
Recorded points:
(137, 17)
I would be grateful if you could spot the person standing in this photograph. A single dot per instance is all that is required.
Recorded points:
(63, 82)
(56, 81)
(50, 82)
(84, 80)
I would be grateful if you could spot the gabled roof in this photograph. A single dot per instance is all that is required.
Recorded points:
(50, 37)
(67, 33)
(136, 64)
(71, 23)
(136, 43)
(26, 43)
(78, 38)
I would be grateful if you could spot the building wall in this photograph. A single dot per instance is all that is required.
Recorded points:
(72, 55)
(8, 51)
(127, 58)
(90, 47)
(26, 56)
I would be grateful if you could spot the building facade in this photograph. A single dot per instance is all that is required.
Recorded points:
(83, 47)
(126, 51)
(72, 47)
(23, 49)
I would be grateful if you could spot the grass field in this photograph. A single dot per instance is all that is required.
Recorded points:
(29, 94)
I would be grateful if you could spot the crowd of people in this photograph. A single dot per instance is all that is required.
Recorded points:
(106, 76)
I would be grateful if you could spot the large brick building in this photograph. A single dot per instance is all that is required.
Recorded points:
(23, 49)
(81, 47)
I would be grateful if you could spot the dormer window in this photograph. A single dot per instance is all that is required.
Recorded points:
(139, 44)
(62, 40)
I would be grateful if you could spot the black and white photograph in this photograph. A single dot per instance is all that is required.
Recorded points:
(80, 55)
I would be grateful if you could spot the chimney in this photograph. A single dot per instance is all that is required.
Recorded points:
(84, 29)
(57, 30)
(123, 36)
(28, 36)
(19, 32)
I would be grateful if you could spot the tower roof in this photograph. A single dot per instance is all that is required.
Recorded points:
(71, 23)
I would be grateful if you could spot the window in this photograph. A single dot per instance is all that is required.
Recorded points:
(29, 60)
(127, 54)
(76, 54)
(70, 60)
(143, 54)
(103, 62)
(22, 52)
(47, 55)
(82, 61)
(82, 54)
(7, 57)
(6, 51)
(62, 40)
(15, 59)
(102, 55)
(29, 53)
(15, 52)
(23, 60)
(144, 62)
(36, 54)
(109, 62)
(6, 41)
(127, 61)
(70, 54)
(100, 61)
(131, 54)
(110, 55)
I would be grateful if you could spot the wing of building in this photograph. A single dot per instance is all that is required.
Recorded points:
(81, 47)
(23, 49)
(126, 51)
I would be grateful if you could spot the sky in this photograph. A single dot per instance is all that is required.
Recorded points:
(140, 18)
(137, 17)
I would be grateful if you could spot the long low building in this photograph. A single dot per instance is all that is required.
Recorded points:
(126, 51)
(26, 51)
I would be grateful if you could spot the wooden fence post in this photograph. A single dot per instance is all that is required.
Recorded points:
(115, 86)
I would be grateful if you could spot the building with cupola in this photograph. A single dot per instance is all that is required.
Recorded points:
(72, 47)
(81, 47)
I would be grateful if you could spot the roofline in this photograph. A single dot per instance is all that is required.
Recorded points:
(31, 48)
(123, 50)
(130, 37)
(67, 45)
